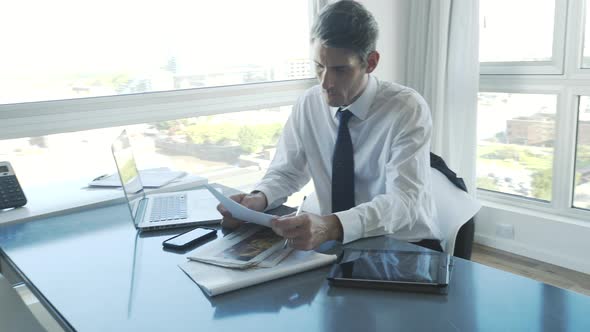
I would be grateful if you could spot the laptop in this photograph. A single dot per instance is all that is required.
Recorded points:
(163, 210)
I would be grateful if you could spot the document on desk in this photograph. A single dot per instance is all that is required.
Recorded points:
(150, 178)
(249, 246)
(215, 280)
(241, 212)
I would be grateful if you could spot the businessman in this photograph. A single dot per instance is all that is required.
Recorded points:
(364, 142)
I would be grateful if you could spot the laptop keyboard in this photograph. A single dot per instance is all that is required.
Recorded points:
(168, 208)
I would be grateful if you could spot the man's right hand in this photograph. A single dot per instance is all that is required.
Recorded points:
(255, 201)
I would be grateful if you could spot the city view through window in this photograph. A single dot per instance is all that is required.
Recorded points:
(233, 149)
(516, 133)
(67, 49)
(515, 143)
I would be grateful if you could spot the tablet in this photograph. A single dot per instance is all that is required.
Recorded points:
(415, 271)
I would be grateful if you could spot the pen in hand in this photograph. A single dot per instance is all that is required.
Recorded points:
(299, 209)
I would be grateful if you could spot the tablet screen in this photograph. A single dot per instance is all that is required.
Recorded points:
(394, 266)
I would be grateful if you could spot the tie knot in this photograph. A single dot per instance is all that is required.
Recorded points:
(344, 115)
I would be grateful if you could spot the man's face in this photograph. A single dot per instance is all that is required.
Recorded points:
(340, 72)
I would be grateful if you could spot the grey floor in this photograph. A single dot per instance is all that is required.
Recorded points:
(547, 273)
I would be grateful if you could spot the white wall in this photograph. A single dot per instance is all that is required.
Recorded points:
(556, 240)
(393, 33)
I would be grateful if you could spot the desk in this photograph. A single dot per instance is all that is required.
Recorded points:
(75, 195)
(81, 267)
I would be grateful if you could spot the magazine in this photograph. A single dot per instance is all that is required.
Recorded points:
(249, 246)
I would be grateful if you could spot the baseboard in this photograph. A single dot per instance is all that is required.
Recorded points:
(580, 265)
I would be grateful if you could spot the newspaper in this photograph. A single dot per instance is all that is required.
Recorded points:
(247, 247)
(215, 280)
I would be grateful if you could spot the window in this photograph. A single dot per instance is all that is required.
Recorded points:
(582, 175)
(586, 52)
(68, 49)
(74, 73)
(233, 149)
(534, 105)
(515, 143)
(503, 33)
(510, 46)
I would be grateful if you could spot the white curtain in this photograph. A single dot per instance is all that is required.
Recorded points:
(443, 65)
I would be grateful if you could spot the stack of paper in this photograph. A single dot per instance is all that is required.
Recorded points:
(249, 256)
(215, 280)
(241, 212)
(150, 178)
(187, 182)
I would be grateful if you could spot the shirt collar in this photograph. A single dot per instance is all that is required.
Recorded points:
(360, 107)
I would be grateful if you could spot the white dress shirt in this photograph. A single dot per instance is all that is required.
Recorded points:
(390, 130)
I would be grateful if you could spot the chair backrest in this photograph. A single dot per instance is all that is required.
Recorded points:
(455, 210)
(14, 313)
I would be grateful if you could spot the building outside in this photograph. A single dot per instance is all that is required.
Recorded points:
(539, 130)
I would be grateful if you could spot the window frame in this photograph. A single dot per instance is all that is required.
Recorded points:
(568, 87)
(553, 67)
(575, 44)
(575, 94)
(52, 117)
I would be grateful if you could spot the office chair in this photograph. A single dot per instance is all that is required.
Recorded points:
(464, 240)
(455, 209)
(14, 313)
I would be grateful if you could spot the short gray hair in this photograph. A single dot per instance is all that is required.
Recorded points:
(347, 24)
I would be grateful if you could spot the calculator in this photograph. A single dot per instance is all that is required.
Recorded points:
(11, 194)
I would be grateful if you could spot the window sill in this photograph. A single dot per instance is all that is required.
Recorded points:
(534, 208)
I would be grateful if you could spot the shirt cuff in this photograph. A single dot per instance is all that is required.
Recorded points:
(352, 227)
(272, 199)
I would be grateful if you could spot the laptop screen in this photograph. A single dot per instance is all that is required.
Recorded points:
(127, 170)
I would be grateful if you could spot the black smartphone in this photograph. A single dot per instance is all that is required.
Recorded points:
(187, 239)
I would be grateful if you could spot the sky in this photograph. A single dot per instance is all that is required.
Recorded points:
(505, 36)
(63, 35)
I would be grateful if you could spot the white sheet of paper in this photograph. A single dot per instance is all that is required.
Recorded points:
(215, 280)
(454, 206)
(241, 212)
(150, 178)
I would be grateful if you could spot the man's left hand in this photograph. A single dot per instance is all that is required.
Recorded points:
(307, 231)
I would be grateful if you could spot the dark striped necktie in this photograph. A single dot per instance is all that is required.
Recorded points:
(343, 166)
